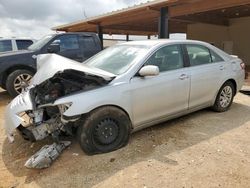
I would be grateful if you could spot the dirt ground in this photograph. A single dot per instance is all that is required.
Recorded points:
(203, 149)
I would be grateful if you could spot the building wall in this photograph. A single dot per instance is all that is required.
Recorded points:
(108, 43)
(235, 37)
(240, 34)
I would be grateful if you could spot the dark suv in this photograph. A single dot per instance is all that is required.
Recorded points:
(17, 68)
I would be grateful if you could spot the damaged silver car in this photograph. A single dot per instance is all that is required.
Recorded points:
(122, 89)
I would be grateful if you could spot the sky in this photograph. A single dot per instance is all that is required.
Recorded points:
(35, 18)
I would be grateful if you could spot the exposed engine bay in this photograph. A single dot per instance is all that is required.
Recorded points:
(65, 83)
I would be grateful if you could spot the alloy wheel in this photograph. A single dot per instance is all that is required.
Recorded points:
(226, 96)
(21, 82)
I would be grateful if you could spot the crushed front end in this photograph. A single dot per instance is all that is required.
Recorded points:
(34, 114)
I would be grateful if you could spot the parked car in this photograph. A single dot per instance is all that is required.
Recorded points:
(123, 89)
(17, 68)
(14, 44)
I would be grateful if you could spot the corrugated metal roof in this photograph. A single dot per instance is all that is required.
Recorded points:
(123, 10)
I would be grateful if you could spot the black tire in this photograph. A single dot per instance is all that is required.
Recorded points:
(12, 78)
(93, 136)
(218, 107)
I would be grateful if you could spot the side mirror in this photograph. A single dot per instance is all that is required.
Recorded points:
(149, 70)
(53, 48)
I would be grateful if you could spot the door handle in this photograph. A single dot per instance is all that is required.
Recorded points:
(183, 77)
(222, 67)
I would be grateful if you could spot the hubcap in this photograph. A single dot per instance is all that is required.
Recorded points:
(21, 82)
(226, 96)
(106, 131)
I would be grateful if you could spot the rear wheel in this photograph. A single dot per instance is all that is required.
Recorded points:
(17, 81)
(224, 98)
(104, 130)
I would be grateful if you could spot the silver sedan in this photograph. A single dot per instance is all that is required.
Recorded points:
(123, 89)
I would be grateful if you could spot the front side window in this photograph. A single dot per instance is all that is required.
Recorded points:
(5, 45)
(23, 44)
(167, 58)
(67, 42)
(198, 55)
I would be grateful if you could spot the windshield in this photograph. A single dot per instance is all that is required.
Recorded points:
(39, 44)
(118, 59)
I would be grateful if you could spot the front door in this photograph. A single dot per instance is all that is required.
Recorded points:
(156, 97)
(69, 47)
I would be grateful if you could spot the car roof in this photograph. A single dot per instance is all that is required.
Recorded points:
(16, 39)
(162, 42)
(75, 33)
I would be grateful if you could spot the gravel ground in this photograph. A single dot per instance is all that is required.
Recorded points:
(203, 149)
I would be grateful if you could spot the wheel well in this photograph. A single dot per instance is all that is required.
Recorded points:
(14, 68)
(234, 84)
(120, 108)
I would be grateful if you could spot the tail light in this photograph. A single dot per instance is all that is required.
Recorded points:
(243, 66)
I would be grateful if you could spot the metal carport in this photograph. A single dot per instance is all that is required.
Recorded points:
(162, 17)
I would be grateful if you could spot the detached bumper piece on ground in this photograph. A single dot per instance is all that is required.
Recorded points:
(46, 155)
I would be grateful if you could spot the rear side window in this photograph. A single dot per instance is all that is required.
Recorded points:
(215, 57)
(198, 55)
(5, 45)
(67, 42)
(23, 44)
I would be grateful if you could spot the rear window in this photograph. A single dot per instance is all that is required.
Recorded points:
(23, 44)
(5, 45)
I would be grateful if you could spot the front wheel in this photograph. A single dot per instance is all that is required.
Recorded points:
(17, 81)
(104, 130)
(224, 98)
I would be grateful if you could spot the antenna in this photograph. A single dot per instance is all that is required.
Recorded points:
(84, 13)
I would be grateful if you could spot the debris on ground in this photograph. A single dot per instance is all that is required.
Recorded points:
(46, 155)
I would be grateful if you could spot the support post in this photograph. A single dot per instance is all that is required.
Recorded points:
(149, 37)
(163, 24)
(100, 34)
(127, 37)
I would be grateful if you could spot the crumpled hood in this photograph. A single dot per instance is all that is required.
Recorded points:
(50, 64)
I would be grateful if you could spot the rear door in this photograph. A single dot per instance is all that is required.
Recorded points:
(156, 97)
(207, 71)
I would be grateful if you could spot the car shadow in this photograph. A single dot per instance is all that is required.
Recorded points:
(245, 92)
(173, 136)
(4, 97)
